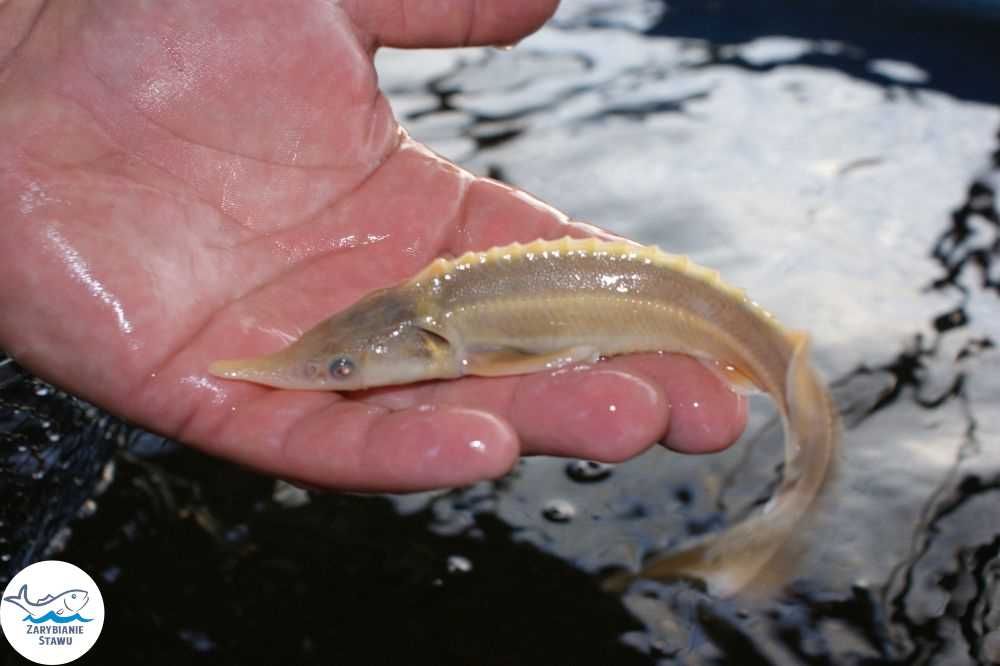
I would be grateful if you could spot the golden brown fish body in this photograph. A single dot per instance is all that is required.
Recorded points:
(525, 308)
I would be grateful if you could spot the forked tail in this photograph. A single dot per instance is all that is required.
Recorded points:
(760, 552)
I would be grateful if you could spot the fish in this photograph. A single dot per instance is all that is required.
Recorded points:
(54, 604)
(544, 305)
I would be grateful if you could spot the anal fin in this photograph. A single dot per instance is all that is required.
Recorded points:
(737, 380)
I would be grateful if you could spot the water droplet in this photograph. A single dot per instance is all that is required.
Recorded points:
(87, 509)
(558, 511)
(54, 437)
(289, 496)
(658, 648)
(5, 557)
(197, 640)
(477, 445)
(39, 475)
(237, 534)
(457, 564)
(684, 496)
(41, 390)
(588, 471)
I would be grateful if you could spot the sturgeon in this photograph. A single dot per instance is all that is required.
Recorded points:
(540, 306)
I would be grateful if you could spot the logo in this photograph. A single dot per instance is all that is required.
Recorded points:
(52, 612)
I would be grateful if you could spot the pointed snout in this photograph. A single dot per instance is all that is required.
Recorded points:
(271, 370)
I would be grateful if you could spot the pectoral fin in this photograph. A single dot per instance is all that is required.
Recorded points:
(510, 361)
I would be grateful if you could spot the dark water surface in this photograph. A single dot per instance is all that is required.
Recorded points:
(840, 162)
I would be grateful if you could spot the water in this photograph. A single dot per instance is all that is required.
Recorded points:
(59, 619)
(839, 164)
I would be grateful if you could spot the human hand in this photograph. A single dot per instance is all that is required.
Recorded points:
(184, 182)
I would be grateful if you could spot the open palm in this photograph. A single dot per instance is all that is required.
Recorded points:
(185, 182)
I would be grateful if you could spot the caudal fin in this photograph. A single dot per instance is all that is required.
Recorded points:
(22, 595)
(20, 599)
(759, 553)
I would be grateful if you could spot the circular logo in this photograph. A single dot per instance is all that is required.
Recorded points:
(52, 612)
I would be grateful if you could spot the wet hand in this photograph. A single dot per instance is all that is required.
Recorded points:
(181, 183)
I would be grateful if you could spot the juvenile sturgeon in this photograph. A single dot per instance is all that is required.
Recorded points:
(526, 308)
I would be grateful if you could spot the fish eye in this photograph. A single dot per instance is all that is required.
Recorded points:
(341, 367)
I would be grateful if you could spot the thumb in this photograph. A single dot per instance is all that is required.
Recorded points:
(437, 23)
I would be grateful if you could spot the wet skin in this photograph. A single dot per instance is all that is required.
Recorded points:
(188, 182)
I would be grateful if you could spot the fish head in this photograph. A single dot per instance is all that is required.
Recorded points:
(74, 600)
(381, 340)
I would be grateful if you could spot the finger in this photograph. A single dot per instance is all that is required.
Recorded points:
(493, 213)
(599, 414)
(432, 23)
(322, 440)
(705, 415)
(610, 412)
(618, 408)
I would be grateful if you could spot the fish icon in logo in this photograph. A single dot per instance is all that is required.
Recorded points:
(63, 607)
